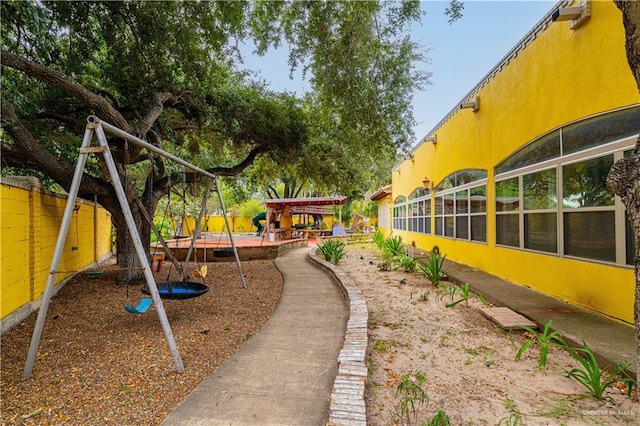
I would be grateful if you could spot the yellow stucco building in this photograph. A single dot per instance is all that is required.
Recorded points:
(512, 180)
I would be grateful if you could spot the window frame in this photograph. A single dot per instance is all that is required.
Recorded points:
(441, 220)
(615, 148)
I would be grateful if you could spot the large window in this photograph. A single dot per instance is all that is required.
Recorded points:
(551, 195)
(419, 211)
(539, 193)
(461, 206)
(589, 209)
(400, 213)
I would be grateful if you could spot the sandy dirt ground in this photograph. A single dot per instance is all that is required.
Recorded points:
(468, 360)
(98, 365)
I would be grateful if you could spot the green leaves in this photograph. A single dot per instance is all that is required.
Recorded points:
(544, 339)
(465, 295)
(333, 250)
(592, 377)
(394, 246)
(411, 393)
(433, 270)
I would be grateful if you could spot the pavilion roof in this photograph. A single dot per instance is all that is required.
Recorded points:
(309, 201)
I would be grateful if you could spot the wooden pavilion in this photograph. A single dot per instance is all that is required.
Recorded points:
(281, 211)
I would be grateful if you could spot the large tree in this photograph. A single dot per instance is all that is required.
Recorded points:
(624, 177)
(165, 71)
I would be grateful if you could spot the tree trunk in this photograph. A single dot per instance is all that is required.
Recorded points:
(624, 177)
(126, 255)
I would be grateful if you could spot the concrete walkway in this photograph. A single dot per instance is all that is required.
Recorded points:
(285, 373)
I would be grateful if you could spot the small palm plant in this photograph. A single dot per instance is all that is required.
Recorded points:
(592, 377)
(394, 246)
(433, 270)
(333, 250)
(378, 238)
(465, 295)
(407, 263)
(440, 418)
(446, 289)
(544, 340)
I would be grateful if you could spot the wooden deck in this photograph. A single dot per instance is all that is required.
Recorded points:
(217, 247)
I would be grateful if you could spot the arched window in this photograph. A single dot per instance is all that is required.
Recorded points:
(461, 205)
(400, 213)
(419, 211)
(551, 194)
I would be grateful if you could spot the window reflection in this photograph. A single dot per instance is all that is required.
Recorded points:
(540, 232)
(544, 148)
(479, 199)
(448, 226)
(600, 130)
(462, 202)
(508, 230)
(590, 235)
(479, 228)
(584, 184)
(462, 227)
(539, 190)
(507, 195)
(439, 203)
(588, 207)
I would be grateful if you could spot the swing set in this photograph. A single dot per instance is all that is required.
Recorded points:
(175, 290)
(157, 291)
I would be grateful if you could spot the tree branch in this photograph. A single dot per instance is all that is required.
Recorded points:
(232, 171)
(145, 123)
(26, 145)
(68, 85)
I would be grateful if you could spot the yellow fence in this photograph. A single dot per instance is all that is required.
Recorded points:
(242, 224)
(30, 220)
(216, 224)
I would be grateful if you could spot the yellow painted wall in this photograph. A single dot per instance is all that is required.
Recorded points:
(563, 75)
(216, 224)
(30, 222)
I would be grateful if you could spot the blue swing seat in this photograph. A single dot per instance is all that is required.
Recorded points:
(142, 307)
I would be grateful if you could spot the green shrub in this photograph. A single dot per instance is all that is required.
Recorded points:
(411, 392)
(441, 418)
(378, 238)
(164, 227)
(394, 246)
(465, 295)
(592, 377)
(407, 263)
(433, 270)
(333, 250)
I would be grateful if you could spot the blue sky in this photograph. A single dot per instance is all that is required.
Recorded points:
(460, 53)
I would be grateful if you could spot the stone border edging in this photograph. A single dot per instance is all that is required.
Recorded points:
(347, 406)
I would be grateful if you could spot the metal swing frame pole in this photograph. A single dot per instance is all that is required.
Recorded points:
(192, 246)
(94, 126)
(226, 222)
(57, 254)
(137, 242)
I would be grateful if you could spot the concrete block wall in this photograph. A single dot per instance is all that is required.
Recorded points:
(30, 219)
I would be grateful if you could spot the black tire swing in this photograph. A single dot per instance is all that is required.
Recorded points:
(180, 290)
